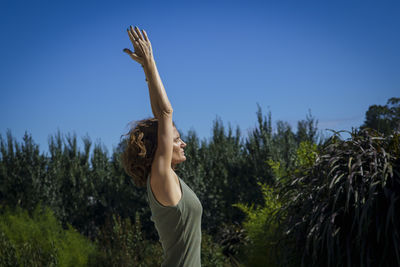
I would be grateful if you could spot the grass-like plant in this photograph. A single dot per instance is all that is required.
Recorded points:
(344, 209)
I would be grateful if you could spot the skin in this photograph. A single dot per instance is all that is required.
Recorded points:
(178, 154)
(164, 181)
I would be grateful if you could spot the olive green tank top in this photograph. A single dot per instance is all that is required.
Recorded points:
(178, 227)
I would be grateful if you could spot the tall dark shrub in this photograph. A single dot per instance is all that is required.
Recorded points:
(344, 210)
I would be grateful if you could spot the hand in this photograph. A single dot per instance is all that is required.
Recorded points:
(143, 52)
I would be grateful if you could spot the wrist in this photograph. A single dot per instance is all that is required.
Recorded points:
(149, 63)
(150, 69)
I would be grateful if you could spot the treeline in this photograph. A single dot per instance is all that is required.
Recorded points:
(264, 196)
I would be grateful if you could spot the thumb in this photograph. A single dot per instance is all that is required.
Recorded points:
(126, 50)
(132, 55)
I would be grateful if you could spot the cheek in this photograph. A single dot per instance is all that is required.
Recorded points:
(176, 148)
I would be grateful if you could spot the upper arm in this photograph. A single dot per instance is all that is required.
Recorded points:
(161, 165)
(163, 185)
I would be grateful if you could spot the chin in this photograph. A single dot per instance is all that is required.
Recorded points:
(180, 160)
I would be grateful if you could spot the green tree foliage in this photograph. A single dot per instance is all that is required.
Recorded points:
(385, 119)
(285, 144)
(265, 145)
(259, 147)
(22, 169)
(80, 189)
(307, 130)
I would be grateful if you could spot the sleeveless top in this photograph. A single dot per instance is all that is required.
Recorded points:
(178, 227)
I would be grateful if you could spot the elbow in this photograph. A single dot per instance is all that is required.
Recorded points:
(167, 112)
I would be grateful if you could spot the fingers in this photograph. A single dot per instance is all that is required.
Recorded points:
(134, 34)
(131, 37)
(138, 33)
(135, 41)
(142, 46)
(145, 36)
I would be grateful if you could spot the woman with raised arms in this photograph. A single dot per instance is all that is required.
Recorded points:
(153, 150)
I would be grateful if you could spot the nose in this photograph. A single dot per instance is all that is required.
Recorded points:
(183, 144)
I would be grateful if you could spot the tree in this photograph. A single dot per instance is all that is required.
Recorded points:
(385, 119)
(307, 130)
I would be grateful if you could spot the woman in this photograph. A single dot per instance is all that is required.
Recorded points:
(154, 149)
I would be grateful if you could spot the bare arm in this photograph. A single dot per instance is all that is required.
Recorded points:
(158, 96)
(160, 104)
(144, 55)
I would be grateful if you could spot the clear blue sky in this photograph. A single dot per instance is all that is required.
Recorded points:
(62, 65)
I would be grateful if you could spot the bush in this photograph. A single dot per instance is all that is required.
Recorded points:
(211, 253)
(232, 238)
(39, 240)
(344, 210)
(261, 230)
(262, 223)
(121, 243)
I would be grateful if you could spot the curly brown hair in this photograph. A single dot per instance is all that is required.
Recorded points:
(140, 147)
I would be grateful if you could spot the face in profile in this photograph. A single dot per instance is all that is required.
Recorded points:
(178, 154)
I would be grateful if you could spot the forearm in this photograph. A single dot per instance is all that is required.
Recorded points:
(158, 97)
(160, 104)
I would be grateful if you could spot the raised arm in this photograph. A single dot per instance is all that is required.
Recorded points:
(160, 104)
(144, 55)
